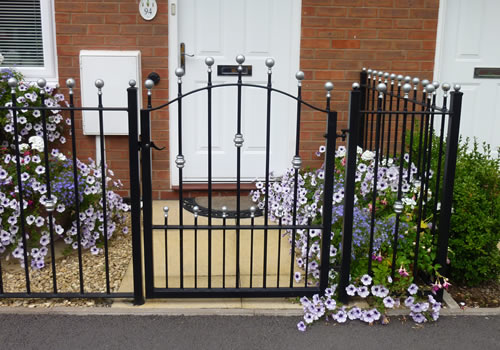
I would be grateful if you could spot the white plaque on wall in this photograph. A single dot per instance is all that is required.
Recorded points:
(116, 69)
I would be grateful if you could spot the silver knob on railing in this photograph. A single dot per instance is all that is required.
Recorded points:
(252, 211)
(224, 211)
(381, 88)
(415, 82)
(240, 59)
(355, 86)
(406, 89)
(328, 88)
(165, 212)
(209, 61)
(131, 83)
(269, 64)
(457, 87)
(41, 84)
(70, 83)
(407, 79)
(196, 210)
(429, 88)
(398, 207)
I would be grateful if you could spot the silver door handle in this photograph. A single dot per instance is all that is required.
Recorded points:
(183, 56)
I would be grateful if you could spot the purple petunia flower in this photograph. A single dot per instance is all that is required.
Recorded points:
(351, 290)
(366, 280)
(418, 317)
(301, 326)
(413, 289)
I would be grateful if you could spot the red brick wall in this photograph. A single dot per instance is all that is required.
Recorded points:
(339, 37)
(116, 25)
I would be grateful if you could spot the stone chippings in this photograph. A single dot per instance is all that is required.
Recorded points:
(94, 276)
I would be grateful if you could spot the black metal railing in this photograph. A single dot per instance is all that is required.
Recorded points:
(397, 121)
(49, 206)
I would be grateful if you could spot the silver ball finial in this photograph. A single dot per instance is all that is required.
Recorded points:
(374, 72)
(328, 86)
(132, 83)
(165, 212)
(400, 77)
(407, 79)
(386, 75)
(70, 83)
(425, 82)
(406, 88)
(415, 81)
(299, 75)
(12, 82)
(209, 61)
(279, 212)
(369, 71)
(436, 84)
(381, 87)
(380, 74)
(99, 83)
(269, 63)
(393, 76)
(224, 211)
(196, 210)
(179, 72)
(355, 86)
(457, 87)
(429, 88)
(149, 84)
(446, 87)
(252, 211)
(364, 69)
(240, 59)
(41, 83)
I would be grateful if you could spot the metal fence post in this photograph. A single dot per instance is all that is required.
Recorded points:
(363, 79)
(135, 197)
(448, 181)
(331, 137)
(350, 177)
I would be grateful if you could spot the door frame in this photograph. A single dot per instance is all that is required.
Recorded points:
(173, 63)
(438, 56)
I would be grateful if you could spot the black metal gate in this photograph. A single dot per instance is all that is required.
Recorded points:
(189, 232)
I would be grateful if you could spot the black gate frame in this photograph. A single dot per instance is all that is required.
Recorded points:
(144, 144)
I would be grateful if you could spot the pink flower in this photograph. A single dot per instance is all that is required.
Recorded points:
(402, 272)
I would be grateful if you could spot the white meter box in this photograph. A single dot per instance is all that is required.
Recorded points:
(116, 69)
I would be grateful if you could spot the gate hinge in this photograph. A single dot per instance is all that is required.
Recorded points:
(343, 135)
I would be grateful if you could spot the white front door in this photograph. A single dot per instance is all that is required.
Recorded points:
(222, 29)
(469, 33)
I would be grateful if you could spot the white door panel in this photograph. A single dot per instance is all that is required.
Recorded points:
(258, 29)
(469, 40)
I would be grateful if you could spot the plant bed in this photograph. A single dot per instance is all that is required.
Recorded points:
(487, 294)
(120, 253)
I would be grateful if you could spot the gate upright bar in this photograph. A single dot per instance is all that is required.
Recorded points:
(135, 193)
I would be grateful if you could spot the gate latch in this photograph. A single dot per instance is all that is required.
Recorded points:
(151, 144)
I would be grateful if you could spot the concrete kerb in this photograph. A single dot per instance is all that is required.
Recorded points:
(76, 311)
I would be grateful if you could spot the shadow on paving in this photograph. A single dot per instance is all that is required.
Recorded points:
(217, 332)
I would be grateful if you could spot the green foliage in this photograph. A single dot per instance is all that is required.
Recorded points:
(475, 224)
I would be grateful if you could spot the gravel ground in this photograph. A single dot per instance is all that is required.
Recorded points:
(94, 276)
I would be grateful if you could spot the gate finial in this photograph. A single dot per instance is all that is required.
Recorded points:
(328, 88)
(240, 59)
(299, 76)
(446, 87)
(99, 83)
(165, 212)
(406, 89)
(70, 83)
(269, 63)
(209, 61)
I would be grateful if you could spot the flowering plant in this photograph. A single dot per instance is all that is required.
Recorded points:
(30, 120)
(33, 173)
(310, 184)
(36, 216)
